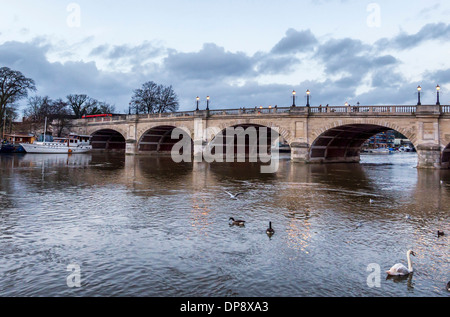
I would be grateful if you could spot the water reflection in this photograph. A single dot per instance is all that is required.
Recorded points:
(145, 226)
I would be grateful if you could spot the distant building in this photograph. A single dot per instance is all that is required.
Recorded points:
(381, 140)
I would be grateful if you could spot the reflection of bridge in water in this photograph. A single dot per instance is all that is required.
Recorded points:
(315, 134)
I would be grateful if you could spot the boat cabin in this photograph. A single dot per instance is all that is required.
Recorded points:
(19, 138)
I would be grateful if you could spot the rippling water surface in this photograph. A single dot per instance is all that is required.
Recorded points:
(140, 226)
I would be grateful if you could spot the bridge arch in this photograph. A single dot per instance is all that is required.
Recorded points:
(247, 147)
(343, 142)
(285, 133)
(108, 139)
(445, 158)
(158, 139)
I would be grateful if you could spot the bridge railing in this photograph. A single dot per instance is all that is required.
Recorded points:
(326, 110)
(249, 111)
(166, 115)
(370, 109)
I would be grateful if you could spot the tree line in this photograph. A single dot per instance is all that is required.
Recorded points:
(14, 87)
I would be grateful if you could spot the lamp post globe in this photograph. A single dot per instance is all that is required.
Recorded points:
(419, 89)
(438, 88)
(308, 93)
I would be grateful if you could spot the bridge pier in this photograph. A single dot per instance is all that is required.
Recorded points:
(131, 147)
(429, 156)
(300, 152)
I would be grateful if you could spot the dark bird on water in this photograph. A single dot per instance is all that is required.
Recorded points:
(441, 233)
(270, 230)
(234, 222)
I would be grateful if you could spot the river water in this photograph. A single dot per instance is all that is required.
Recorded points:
(141, 226)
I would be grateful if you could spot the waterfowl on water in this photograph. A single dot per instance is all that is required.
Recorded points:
(234, 222)
(401, 270)
(441, 233)
(448, 286)
(270, 230)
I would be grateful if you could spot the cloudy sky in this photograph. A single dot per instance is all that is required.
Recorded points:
(242, 53)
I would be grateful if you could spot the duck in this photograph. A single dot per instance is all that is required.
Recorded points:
(234, 222)
(401, 270)
(448, 286)
(441, 233)
(270, 230)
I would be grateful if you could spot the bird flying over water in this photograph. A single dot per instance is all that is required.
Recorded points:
(233, 196)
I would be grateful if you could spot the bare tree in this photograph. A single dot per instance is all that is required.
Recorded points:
(61, 116)
(38, 108)
(102, 107)
(154, 98)
(145, 99)
(81, 105)
(14, 86)
(168, 100)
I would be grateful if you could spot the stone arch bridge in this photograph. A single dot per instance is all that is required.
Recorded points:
(315, 134)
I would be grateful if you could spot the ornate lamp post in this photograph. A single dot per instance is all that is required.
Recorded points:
(308, 93)
(198, 99)
(207, 103)
(419, 89)
(438, 88)
(293, 98)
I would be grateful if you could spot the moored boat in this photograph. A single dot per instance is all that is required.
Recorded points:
(11, 148)
(73, 144)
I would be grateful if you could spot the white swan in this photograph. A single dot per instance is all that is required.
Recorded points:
(399, 269)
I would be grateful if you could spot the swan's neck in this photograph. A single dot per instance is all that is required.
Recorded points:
(408, 255)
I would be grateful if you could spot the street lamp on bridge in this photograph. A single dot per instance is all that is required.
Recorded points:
(438, 88)
(207, 103)
(198, 99)
(293, 98)
(419, 89)
(308, 93)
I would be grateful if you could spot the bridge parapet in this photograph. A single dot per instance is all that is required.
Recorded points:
(270, 111)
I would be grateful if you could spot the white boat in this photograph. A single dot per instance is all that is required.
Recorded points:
(74, 144)
(46, 144)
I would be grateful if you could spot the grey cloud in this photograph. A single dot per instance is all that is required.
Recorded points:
(270, 65)
(431, 31)
(60, 79)
(353, 58)
(146, 50)
(211, 62)
(295, 42)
